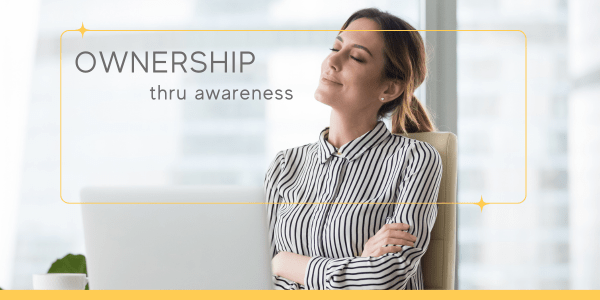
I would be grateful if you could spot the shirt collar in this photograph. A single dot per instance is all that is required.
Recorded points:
(356, 147)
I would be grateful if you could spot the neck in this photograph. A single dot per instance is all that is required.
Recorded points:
(345, 128)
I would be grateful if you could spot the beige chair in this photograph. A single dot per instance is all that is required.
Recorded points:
(438, 263)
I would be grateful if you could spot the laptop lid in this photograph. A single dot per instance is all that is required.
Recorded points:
(176, 245)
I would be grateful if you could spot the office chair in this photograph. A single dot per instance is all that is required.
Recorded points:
(438, 263)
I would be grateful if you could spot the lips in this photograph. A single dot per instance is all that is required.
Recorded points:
(330, 80)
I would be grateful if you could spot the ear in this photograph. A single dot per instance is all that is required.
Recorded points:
(393, 89)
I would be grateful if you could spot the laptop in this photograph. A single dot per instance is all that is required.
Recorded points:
(176, 246)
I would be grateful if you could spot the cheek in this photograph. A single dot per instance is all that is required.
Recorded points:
(364, 84)
(324, 63)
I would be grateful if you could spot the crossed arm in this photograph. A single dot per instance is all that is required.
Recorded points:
(378, 267)
(293, 266)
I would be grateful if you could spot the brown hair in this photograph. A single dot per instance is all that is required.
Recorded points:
(405, 60)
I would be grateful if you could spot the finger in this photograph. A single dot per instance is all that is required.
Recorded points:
(389, 249)
(395, 241)
(397, 226)
(393, 234)
(394, 226)
(401, 235)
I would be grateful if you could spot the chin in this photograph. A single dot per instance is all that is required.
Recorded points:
(322, 98)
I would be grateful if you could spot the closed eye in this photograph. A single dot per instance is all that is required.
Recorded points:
(336, 50)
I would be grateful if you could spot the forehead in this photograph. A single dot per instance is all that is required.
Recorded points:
(370, 39)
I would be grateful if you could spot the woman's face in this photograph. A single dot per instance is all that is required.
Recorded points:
(350, 80)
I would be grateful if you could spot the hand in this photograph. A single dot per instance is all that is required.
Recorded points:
(391, 234)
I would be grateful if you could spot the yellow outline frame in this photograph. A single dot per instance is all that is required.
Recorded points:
(481, 203)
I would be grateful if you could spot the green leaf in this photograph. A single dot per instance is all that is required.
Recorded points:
(70, 264)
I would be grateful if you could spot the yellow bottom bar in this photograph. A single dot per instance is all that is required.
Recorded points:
(301, 295)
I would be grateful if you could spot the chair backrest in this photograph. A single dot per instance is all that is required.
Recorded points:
(438, 263)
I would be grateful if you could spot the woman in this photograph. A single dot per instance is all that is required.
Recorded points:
(338, 208)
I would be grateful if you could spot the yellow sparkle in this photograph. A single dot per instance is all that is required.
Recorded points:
(481, 203)
(82, 30)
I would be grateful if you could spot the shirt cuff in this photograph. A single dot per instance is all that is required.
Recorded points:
(314, 279)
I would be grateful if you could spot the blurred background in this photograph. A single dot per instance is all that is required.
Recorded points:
(550, 241)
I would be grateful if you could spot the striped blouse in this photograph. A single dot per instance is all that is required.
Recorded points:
(378, 167)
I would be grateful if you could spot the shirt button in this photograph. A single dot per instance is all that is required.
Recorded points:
(339, 153)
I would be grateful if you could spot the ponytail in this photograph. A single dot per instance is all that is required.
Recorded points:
(410, 117)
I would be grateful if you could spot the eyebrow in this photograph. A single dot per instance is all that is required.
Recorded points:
(356, 45)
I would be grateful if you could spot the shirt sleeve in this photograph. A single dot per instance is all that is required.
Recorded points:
(421, 176)
(271, 190)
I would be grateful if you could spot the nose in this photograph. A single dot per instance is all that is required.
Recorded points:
(334, 61)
